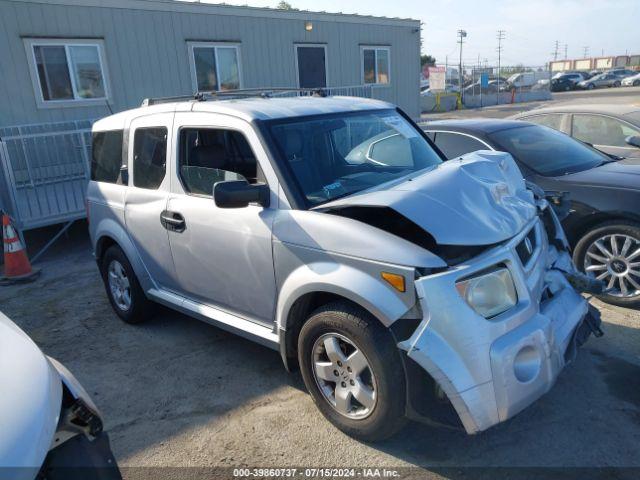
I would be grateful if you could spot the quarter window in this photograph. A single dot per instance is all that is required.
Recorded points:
(215, 67)
(375, 65)
(601, 130)
(149, 157)
(211, 155)
(68, 71)
(454, 145)
(552, 120)
(106, 156)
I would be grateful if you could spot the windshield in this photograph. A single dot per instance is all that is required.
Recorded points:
(336, 155)
(547, 151)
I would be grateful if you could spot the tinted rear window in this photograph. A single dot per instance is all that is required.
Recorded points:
(106, 158)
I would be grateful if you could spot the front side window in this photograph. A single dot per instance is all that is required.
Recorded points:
(106, 156)
(546, 151)
(70, 71)
(149, 157)
(376, 65)
(601, 130)
(210, 155)
(454, 145)
(215, 67)
(336, 155)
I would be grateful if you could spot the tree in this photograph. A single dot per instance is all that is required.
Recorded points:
(284, 6)
(427, 60)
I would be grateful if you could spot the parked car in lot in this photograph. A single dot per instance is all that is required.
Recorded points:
(49, 426)
(631, 81)
(331, 230)
(573, 76)
(622, 72)
(563, 83)
(526, 79)
(603, 221)
(613, 129)
(599, 81)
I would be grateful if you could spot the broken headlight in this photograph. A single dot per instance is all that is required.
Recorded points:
(489, 294)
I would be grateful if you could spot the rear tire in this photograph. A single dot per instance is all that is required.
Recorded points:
(367, 401)
(123, 289)
(610, 264)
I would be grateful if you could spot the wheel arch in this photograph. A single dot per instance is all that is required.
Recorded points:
(592, 222)
(110, 233)
(298, 313)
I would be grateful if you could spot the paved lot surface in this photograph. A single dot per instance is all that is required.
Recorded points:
(626, 95)
(176, 392)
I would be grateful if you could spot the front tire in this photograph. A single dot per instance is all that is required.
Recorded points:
(353, 371)
(123, 289)
(616, 84)
(591, 86)
(611, 253)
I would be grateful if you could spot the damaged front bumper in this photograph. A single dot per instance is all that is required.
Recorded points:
(491, 369)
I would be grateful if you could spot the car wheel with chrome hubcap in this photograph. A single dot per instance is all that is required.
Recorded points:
(352, 368)
(611, 253)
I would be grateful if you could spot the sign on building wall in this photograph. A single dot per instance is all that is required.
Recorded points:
(437, 78)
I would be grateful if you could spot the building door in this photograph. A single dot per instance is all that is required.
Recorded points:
(312, 66)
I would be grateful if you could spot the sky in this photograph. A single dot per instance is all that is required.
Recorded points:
(531, 26)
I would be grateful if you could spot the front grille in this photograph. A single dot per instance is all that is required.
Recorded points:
(527, 247)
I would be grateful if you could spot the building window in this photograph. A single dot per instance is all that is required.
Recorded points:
(376, 65)
(67, 71)
(215, 66)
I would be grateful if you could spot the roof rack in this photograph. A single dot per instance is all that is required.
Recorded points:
(239, 93)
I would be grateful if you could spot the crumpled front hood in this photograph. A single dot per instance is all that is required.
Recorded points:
(478, 199)
(29, 404)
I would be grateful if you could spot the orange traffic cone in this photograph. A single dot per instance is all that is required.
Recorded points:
(16, 264)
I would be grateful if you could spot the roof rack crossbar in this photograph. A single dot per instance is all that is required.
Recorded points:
(241, 93)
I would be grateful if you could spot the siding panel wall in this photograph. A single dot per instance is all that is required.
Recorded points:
(146, 51)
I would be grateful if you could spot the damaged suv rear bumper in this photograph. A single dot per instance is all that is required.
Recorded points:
(491, 369)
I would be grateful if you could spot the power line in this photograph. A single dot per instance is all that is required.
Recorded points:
(555, 51)
(501, 36)
(462, 34)
(585, 52)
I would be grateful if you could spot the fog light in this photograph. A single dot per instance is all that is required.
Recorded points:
(527, 363)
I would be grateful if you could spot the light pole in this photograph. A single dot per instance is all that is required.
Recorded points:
(462, 34)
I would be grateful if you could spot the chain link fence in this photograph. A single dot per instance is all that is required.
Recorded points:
(484, 85)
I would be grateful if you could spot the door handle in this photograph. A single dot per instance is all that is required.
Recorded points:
(173, 221)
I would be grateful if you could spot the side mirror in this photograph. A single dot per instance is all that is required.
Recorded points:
(633, 140)
(239, 194)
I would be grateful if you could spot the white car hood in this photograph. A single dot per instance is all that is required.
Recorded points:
(478, 199)
(29, 403)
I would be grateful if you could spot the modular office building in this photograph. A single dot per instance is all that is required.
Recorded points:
(66, 63)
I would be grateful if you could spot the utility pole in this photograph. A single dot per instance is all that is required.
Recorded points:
(555, 51)
(500, 37)
(585, 52)
(566, 47)
(462, 34)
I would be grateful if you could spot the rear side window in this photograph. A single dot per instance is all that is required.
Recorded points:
(454, 145)
(106, 157)
(149, 157)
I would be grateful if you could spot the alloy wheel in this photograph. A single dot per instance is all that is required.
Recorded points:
(119, 285)
(344, 376)
(615, 259)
